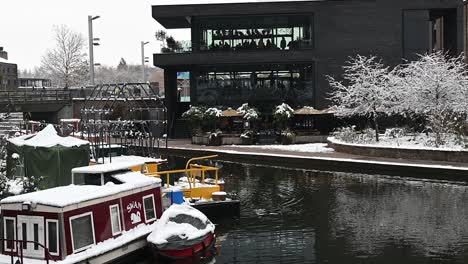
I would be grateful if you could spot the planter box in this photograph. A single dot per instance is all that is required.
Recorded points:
(310, 139)
(231, 140)
(200, 140)
(400, 153)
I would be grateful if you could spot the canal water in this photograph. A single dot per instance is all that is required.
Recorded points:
(303, 216)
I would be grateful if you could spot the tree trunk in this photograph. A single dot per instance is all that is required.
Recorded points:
(376, 126)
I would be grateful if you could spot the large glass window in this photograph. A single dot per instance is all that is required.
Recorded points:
(261, 87)
(115, 219)
(52, 237)
(148, 206)
(254, 33)
(9, 229)
(82, 229)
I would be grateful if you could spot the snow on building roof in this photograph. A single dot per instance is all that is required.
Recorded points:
(2, 60)
(47, 137)
(75, 194)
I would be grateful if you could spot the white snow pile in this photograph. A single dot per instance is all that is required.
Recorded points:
(165, 228)
(47, 137)
(310, 148)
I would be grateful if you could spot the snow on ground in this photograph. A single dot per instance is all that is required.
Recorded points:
(312, 147)
(419, 141)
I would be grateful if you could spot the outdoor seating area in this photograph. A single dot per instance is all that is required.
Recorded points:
(247, 126)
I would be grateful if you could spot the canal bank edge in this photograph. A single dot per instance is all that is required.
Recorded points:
(368, 166)
(429, 154)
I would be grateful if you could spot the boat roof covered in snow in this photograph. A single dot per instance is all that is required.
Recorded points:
(131, 158)
(108, 167)
(75, 196)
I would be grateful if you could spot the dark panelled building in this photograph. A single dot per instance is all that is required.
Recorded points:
(267, 53)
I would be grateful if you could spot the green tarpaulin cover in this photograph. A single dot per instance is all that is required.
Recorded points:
(48, 155)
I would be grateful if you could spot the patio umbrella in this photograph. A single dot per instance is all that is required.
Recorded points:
(308, 110)
(230, 113)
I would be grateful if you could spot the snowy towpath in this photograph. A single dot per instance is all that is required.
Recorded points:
(321, 157)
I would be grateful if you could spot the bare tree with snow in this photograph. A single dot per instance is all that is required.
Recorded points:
(367, 89)
(436, 87)
(66, 64)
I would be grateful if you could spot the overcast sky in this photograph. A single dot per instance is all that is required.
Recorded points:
(26, 27)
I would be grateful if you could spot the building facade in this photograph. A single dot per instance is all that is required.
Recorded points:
(272, 52)
(8, 72)
(34, 82)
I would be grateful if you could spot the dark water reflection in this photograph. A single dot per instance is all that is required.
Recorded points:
(298, 216)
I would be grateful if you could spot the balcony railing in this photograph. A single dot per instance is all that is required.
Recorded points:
(195, 47)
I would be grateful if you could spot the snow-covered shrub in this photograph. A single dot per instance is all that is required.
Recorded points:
(282, 113)
(346, 134)
(213, 112)
(248, 113)
(395, 132)
(287, 136)
(214, 138)
(247, 134)
(195, 116)
(31, 184)
(351, 135)
(211, 116)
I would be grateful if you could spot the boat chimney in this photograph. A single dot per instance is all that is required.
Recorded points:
(3, 54)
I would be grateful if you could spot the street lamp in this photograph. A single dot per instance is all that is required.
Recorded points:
(143, 59)
(91, 47)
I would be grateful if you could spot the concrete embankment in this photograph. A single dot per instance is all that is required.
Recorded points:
(333, 161)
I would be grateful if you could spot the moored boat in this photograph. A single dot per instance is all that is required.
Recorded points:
(105, 215)
(181, 232)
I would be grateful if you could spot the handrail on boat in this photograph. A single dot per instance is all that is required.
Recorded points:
(18, 246)
(190, 171)
(199, 158)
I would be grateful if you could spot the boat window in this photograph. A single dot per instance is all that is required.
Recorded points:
(108, 178)
(10, 232)
(115, 219)
(52, 237)
(92, 179)
(82, 231)
(148, 206)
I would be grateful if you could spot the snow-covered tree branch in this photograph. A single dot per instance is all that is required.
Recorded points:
(367, 89)
(436, 87)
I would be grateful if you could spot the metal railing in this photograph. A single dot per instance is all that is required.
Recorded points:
(191, 171)
(11, 249)
(40, 95)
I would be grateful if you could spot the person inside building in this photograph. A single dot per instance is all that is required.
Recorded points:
(253, 44)
(261, 45)
(283, 43)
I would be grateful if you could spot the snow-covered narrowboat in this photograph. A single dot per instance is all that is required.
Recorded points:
(105, 215)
